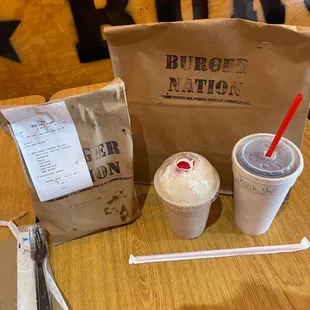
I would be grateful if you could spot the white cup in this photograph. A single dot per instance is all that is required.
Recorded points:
(257, 199)
(187, 218)
(187, 222)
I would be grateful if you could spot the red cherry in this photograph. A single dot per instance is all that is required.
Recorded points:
(183, 165)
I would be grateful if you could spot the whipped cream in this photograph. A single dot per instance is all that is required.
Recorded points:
(187, 179)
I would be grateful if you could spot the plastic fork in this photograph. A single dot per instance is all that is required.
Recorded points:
(38, 251)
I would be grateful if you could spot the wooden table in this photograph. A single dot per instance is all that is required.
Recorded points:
(93, 272)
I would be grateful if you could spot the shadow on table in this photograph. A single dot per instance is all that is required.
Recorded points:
(215, 211)
(266, 297)
(142, 196)
(285, 205)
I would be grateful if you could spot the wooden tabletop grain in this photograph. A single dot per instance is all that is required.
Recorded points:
(93, 272)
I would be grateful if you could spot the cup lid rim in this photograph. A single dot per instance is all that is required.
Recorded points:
(283, 179)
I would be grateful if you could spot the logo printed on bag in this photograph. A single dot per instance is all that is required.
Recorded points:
(101, 150)
(180, 88)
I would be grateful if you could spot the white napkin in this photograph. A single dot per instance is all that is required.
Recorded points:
(26, 288)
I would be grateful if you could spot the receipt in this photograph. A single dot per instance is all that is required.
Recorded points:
(51, 148)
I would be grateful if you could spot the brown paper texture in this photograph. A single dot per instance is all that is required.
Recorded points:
(202, 85)
(103, 126)
(8, 283)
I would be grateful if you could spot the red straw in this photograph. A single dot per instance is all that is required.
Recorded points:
(284, 124)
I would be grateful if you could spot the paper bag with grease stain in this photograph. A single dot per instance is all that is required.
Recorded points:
(102, 123)
(202, 85)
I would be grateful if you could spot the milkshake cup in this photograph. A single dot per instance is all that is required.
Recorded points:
(187, 184)
(261, 183)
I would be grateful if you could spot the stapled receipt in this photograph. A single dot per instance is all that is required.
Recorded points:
(51, 148)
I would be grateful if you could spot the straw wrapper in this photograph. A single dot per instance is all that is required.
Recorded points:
(303, 245)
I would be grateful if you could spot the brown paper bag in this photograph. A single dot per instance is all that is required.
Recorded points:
(202, 85)
(102, 123)
(8, 283)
